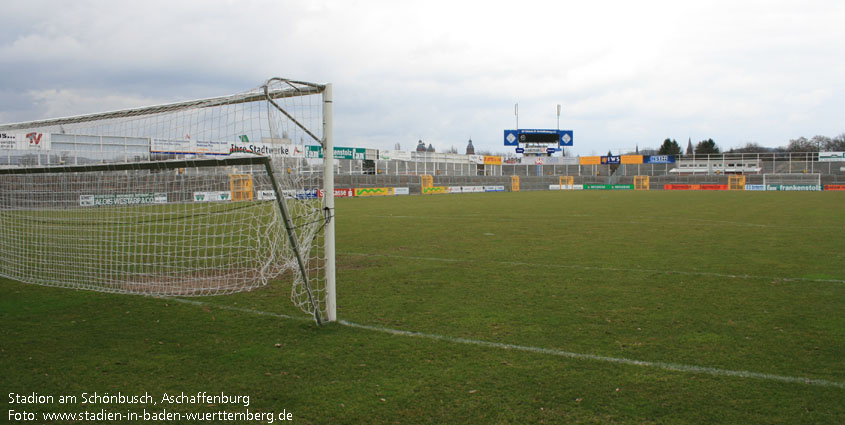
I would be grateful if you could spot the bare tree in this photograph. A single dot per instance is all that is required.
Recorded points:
(836, 144)
(820, 141)
(801, 144)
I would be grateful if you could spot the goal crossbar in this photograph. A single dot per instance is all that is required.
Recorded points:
(295, 88)
(156, 165)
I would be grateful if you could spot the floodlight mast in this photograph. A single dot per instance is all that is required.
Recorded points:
(558, 116)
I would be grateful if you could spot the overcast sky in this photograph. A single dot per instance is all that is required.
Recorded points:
(626, 73)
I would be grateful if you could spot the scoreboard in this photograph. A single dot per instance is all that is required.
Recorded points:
(538, 137)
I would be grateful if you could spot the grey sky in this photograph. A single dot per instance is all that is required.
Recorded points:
(626, 73)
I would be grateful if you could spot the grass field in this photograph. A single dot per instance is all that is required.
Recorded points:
(533, 307)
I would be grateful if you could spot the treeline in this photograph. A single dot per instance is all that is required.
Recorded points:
(801, 144)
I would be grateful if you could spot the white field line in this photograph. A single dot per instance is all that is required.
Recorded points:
(675, 367)
(593, 357)
(598, 268)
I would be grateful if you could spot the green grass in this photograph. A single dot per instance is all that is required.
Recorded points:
(745, 282)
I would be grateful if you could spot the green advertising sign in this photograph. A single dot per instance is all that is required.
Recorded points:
(608, 187)
(314, 151)
(795, 187)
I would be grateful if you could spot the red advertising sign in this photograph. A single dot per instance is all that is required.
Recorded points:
(340, 193)
(680, 186)
(713, 187)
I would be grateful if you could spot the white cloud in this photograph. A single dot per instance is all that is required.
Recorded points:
(626, 72)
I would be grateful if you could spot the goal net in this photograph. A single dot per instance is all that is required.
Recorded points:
(203, 197)
(793, 182)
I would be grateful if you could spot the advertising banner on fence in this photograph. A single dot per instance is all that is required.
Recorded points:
(25, 141)
(608, 187)
(566, 187)
(492, 160)
(296, 151)
(373, 191)
(401, 191)
(632, 159)
(215, 147)
(834, 187)
(8, 141)
(795, 187)
(494, 188)
(680, 187)
(831, 156)
(314, 151)
(338, 193)
(434, 190)
(696, 187)
(476, 159)
(189, 146)
(122, 199)
(590, 160)
(395, 155)
(611, 159)
(472, 189)
(301, 193)
(756, 187)
(212, 196)
(455, 189)
(658, 159)
(265, 195)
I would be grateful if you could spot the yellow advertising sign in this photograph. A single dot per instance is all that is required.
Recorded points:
(632, 159)
(492, 160)
(373, 191)
(590, 160)
(432, 190)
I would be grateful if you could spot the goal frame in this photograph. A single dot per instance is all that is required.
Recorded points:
(289, 88)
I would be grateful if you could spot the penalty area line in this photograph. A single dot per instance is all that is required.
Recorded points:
(674, 367)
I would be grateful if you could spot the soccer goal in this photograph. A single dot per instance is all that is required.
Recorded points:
(793, 182)
(219, 196)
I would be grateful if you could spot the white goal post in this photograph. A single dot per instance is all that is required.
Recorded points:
(202, 197)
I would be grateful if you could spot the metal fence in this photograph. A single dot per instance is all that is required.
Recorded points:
(69, 149)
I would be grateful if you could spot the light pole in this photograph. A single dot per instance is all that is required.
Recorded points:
(558, 116)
